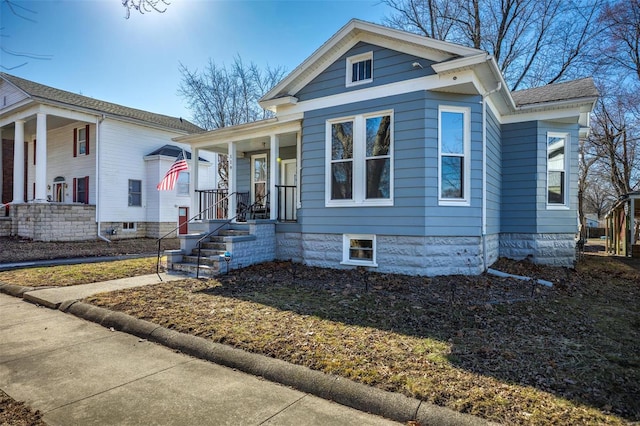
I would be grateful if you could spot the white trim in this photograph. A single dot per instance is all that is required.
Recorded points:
(567, 151)
(346, 246)
(466, 157)
(359, 178)
(363, 57)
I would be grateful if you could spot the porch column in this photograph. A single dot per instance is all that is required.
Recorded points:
(193, 181)
(274, 170)
(231, 178)
(1, 171)
(18, 162)
(41, 158)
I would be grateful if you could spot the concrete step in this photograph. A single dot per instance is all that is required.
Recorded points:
(232, 232)
(210, 261)
(207, 252)
(214, 245)
(191, 268)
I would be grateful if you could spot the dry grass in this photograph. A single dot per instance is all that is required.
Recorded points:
(84, 273)
(493, 347)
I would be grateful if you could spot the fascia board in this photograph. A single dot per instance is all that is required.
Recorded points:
(242, 131)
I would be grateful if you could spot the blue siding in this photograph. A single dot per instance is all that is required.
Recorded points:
(520, 154)
(389, 66)
(558, 220)
(494, 172)
(415, 211)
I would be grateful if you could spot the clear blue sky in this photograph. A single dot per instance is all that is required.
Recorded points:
(95, 51)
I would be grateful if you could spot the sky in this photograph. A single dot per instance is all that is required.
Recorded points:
(90, 48)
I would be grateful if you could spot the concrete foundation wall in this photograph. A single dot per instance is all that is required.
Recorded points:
(54, 222)
(546, 249)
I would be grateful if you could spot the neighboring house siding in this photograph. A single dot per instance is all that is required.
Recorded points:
(9, 95)
(123, 147)
(494, 172)
(415, 211)
(520, 172)
(61, 162)
(562, 220)
(389, 66)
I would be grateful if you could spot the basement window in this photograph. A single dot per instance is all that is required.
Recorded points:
(359, 250)
(128, 226)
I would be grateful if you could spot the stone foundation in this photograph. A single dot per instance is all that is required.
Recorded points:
(54, 222)
(546, 249)
(428, 256)
(5, 226)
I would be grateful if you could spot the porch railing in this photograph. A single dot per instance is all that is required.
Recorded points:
(4, 210)
(286, 203)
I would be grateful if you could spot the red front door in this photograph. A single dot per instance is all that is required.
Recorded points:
(183, 220)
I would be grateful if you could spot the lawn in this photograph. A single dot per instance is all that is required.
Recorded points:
(83, 273)
(499, 348)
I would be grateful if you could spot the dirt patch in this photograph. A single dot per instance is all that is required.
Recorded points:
(22, 250)
(16, 413)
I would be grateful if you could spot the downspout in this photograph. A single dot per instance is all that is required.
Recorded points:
(484, 175)
(98, 122)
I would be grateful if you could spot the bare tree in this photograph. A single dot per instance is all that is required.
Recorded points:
(622, 35)
(24, 14)
(220, 97)
(144, 6)
(534, 42)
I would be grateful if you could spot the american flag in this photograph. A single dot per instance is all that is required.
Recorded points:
(170, 178)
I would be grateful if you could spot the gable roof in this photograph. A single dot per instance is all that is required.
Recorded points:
(46, 94)
(583, 88)
(350, 34)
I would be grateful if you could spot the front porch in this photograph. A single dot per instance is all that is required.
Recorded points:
(260, 177)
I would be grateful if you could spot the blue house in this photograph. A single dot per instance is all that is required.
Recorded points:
(402, 154)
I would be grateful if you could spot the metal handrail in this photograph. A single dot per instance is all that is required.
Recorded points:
(4, 207)
(178, 227)
(243, 211)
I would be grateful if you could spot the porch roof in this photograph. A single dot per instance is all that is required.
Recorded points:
(249, 136)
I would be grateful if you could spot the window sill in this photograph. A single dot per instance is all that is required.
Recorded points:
(451, 202)
(557, 207)
(358, 263)
(367, 203)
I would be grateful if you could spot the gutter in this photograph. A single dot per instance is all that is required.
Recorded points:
(98, 122)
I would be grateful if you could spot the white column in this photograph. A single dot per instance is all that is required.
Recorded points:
(194, 181)
(1, 171)
(18, 162)
(274, 173)
(231, 176)
(41, 158)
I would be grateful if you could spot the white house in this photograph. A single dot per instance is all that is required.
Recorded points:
(77, 168)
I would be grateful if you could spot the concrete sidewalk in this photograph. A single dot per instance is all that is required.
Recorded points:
(78, 373)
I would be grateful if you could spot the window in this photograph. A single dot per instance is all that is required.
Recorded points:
(81, 141)
(182, 184)
(359, 169)
(556, 169)
(135, 192)
(453, 152)
(359, 250)
(128, 226)
(359, 69)
(81, 190)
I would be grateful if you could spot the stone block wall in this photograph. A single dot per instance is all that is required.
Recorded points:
(258, 247)
(5, 226)
(547, 249)
(54, 222)
(289, 246)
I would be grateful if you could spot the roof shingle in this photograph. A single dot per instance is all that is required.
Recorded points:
(41, 92)
(575, 89)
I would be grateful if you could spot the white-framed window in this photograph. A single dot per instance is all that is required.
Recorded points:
(182, 184)
(128, 226)
(135, 193)
(359, 69)
(557, 166)
(359, 249)
(359, 152)
(454, 149)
